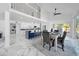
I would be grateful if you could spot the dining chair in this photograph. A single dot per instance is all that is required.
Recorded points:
(46, 39)
(60, 40)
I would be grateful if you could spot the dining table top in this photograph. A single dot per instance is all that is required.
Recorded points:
(54, 35)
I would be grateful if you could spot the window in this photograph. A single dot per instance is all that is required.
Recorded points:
(77, 27)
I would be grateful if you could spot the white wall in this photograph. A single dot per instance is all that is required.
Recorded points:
(2, 26)
(3, 8)
(29, 25)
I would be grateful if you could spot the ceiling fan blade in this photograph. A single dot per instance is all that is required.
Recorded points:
(57, 13)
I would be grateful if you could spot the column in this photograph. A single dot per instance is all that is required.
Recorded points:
(18, 37)
(41, 33)
(74, 28)
(7, 29)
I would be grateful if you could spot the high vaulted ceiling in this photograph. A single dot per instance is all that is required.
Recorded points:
(3, 7)
(68, 10)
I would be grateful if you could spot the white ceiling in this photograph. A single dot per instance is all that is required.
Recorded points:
(4, 7)
(68, 10)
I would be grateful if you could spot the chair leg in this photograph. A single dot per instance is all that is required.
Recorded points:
(53, 43)
(62, 47)
(43, 44)
(49, 46)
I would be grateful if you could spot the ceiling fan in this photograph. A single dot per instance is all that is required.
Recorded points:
(56, 13)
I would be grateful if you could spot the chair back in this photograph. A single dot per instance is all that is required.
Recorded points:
(46, 36)
(64, 35)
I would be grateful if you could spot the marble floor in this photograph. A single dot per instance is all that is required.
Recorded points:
(1, 43)
(20, 48)
(69, 49)
(75, 44)
(33, 47)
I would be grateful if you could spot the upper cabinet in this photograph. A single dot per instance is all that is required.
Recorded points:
(29, 8)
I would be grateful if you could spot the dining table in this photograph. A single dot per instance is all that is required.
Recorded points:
(54, 36)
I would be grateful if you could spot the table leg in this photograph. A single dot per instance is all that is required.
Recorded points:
(56, 43)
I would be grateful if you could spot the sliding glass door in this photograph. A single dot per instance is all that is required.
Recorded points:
(77, 27)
